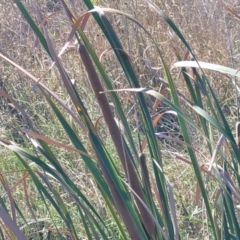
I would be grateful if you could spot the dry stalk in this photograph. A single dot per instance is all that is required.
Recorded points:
(118, 142)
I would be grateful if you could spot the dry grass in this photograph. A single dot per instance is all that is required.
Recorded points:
(212, 32)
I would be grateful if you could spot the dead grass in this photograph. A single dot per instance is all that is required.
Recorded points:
(212, 32)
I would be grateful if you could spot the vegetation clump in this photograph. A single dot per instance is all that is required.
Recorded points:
(115, 123)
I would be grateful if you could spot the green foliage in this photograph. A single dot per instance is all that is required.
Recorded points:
(130, 179)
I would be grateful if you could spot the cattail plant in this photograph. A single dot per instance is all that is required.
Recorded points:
(127, 170)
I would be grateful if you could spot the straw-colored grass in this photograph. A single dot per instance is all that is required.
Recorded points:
(211, 29)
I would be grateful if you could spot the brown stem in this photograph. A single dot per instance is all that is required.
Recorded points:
(117, 140)
(127, 219)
